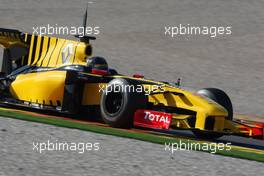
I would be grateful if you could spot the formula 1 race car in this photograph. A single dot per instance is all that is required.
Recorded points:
(59, 74)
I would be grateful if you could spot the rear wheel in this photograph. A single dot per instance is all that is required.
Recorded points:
(222, 99)
(119, 102)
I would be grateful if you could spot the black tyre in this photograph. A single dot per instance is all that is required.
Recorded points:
(221, 98)
(119, 103)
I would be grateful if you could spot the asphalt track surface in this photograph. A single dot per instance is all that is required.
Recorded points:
(132, 39)
(117, 156)
(235, 140)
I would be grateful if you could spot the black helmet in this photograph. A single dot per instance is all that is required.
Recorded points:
(97, 62)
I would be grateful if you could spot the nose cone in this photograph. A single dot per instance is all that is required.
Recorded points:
(217, 110)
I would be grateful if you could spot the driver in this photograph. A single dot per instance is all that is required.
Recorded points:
(98, 63)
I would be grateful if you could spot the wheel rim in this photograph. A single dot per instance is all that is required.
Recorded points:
(114, 102)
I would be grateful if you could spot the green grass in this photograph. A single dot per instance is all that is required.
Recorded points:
(234, 152)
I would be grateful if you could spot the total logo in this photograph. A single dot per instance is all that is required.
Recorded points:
(157, 117)
(152, 119)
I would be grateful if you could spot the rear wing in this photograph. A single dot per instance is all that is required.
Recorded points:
(15, 47)
(10, 37)
(22, 49)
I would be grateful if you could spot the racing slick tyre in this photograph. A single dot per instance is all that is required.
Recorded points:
(221, 98)
(119, 102)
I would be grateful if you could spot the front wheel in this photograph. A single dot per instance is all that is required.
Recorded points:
(119, 102)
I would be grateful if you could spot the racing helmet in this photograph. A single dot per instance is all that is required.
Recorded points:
(98, 63)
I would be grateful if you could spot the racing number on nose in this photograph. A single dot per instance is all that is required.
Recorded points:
(67, 53)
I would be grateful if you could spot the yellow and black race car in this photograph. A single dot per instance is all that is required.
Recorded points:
(59, 74)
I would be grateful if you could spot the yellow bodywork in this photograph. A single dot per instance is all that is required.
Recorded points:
(45, 88)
